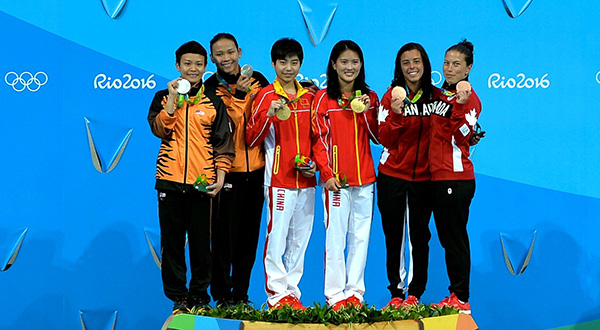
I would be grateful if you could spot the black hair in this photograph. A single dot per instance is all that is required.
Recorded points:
(285, 47)
(223, 35)
(464, 47)
(333, 83)
(400, 80)
(190, 47)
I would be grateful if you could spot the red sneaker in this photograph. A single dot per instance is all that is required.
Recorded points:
(452, 301)
(353, 301)
(396, 302)
(410, 301)
(289, 300)
(338, 305)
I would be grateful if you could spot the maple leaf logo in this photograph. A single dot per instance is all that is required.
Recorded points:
(471, 117)
(383, 113)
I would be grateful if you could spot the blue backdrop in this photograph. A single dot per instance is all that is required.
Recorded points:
(78, 237)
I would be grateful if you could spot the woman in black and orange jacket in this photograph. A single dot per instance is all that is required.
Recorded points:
(196, 143)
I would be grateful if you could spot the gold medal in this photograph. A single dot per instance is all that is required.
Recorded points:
(357, 105)
(283, 113)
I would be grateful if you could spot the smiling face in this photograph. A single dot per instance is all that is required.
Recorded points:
(191, 67)
(287, 69)
(347, 66)
(412, 68)
(225, 55)
(455, 67)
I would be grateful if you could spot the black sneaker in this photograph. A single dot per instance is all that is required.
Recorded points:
(180, 306)
(243, 301)
(226, 303)
(198, 304)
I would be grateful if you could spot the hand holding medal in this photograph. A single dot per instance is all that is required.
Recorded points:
(183, 87)
(246, 70)
(280, 109)
(463, 91)
(244, 83)
(357, 104)
(398, 99)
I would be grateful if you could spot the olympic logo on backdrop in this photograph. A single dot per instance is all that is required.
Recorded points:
(102, 81)
(26, 79)
(320, 82)
(521, 81)
(598, 77)
(439, 79)
(206, 75)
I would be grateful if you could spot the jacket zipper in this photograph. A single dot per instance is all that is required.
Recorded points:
(418, 145)
(297, 144)
(356, 148)
(187, 120)
(246, 146)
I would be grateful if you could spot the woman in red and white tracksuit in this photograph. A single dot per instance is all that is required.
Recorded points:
(404, 180)
(452, 171)
(344, 120)
(289, 191)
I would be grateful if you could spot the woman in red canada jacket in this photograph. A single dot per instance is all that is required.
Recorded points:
(452, 171)
(404, 179)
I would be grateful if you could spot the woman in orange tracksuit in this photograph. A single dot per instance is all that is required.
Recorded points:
(195, 142)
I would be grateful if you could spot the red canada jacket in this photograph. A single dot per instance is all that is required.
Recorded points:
(406, 136)
(450, 135)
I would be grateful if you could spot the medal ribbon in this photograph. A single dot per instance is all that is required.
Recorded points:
(415, 98)
(224, 83)
(448, 93)
(184, 97)
(282, 94)
(344, 101)
(284, 101)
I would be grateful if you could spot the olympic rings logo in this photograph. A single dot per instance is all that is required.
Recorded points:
(598, 77)
(439, 77)
(32, 82)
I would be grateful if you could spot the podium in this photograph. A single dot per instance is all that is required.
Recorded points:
(195, 322)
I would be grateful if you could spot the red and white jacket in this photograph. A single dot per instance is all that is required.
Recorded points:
(450, 136)
(282, 139)
(341, 139)
(405, 136)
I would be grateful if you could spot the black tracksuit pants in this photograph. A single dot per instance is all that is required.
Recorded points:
(235, 235)
(397, 198)
(451, 213)
(180, 213)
